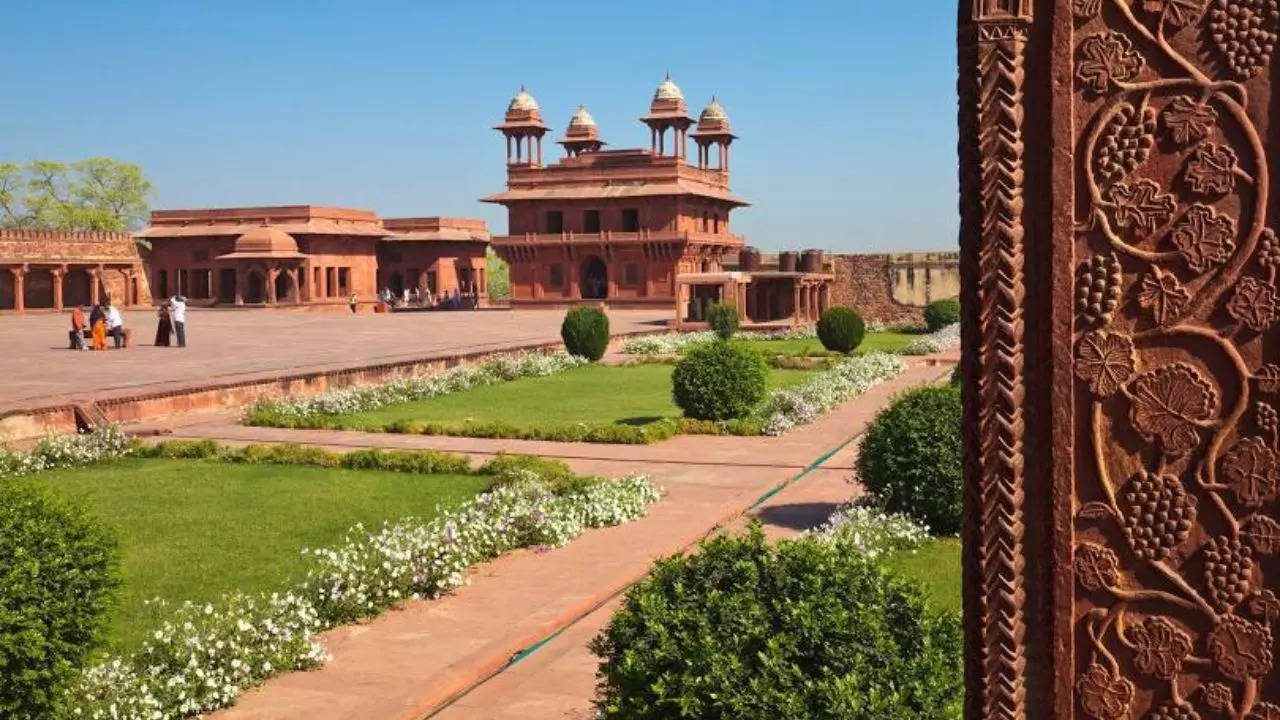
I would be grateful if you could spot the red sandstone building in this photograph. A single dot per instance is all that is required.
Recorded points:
(46, 269)
(310, 255)
(631, 227)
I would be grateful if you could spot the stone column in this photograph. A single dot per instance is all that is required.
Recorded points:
(128, 288)
(795, 308)
(95, 282)
(273, 272)
(57, 274)
(19, 288)
(239, 285)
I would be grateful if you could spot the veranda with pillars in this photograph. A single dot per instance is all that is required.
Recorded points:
(761, 298)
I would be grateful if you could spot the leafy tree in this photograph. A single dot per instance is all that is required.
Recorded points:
(94, 194)
(499, 275)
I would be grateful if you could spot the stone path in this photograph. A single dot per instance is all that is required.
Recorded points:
(447, 656)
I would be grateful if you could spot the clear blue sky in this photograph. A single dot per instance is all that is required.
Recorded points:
(845, 109)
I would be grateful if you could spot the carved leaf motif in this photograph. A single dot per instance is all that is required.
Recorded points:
(1241, 649)
(1253, 303)
(1211, 170)
(1264, 605)
(1104, 58)
(1096, 566)
(1188, 121)
(1268, 377)
(1158, 514)
(1244, 31)
(1126, 141)
(1106, 361)
(1141, 205)
(1204, 237)
(1086, 9)
(1265, 711)
(1217, 696)
(1095, 511)
(1250, 469)
(1169, 402)
(1104, 696)
(1159, 647)
(1262, 532)
(1180, 13)
(1164, 296)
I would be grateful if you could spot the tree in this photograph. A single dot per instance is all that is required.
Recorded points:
(499, 276)
(94, 194)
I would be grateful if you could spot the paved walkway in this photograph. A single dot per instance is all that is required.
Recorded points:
(414, 662)
(226, 345)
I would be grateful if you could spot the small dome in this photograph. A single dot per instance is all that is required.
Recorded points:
(523, 101)
(668, 90)
(713, 112)
(266, 240)
(581, 118)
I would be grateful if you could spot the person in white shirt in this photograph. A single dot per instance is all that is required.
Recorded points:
(115, 325)
(178, 314)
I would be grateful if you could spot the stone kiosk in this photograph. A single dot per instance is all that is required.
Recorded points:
(1122, 369)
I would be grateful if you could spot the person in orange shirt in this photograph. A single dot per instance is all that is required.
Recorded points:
(77, 328)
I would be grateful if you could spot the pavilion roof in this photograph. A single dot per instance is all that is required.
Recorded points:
(592, 192)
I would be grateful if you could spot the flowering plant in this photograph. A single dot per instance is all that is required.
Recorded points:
(803, 404)
(675, 343)
(947, 338)
(66, 451)
(872, 532)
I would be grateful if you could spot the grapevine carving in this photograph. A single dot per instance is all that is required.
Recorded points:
(1178, 493)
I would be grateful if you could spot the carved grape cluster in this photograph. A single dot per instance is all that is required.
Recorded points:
(1158, 514)
(1245, 33)
(1171, 711)
(1228, 566)
(1126, 141)
(1268, 249)
(1098, 288)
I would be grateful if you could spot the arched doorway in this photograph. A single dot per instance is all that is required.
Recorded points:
(255, 290)
(595, 279)
(77, 288)
(38, 289)
(6, 289)
(285, 290)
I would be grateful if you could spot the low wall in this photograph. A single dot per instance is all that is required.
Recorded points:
(894, 287)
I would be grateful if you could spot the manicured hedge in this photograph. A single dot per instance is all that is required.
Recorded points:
(910, 460)
(941, 313)
(723, 319)
(58, 571)
(808, 628)
(719, 381)
(585, 332)
(841, 329)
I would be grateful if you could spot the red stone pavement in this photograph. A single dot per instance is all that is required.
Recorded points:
(413, 662)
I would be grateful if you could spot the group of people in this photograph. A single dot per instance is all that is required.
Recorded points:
(105, 319)
(413, 297)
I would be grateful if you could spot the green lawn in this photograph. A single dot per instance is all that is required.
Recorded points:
(594, 394)
(193, 530)
(937, 566)
(874, 341)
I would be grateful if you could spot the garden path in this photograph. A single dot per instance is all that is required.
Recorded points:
(413, 662)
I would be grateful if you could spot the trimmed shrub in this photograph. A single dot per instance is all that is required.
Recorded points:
(910, 460)
(841, 329)
(807, 629)
(941, 313)
(723, 319)
(585, 332)
(56, 581)
(719, 382)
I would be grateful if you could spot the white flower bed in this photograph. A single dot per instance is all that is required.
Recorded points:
(675, 343)
(803, 404)
(204, 658)
(66, 451)
(872, 532)
(948, 338)
(372, 397)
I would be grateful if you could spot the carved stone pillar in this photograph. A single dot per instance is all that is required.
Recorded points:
(57, 274)
(273, 272)
(19, 288)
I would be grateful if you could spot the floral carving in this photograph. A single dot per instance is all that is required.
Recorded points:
(1126, 141)
(1106, 361)
(1217, 696)
(1250, 469)
(1086, 9)
(1159, 647)
(1244, 31)
(1211, 170)
(1227, 569)
(1264, 605)
(1241, 649)
(1268, 378)
(1158, 514)
(1204, 237)
(1163, 295)
(1104, 58)
(1263, 533)
(1180, 13)
(1096, 566)
(1253, 303)
(1104, 696)
(1141, 205)
(1169, 403)
(1188, 121)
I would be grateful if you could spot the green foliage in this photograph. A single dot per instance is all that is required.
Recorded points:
(841, 329)
(957, 376)
(719, 381)
(499, 276)
(508, 469)
(941, 313)
(422, 462)
(723, 319)
(57, 577)
(910, 460)
(806, 629)
(585, 332)
(94, 194)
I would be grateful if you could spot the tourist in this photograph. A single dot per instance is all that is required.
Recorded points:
(457, 299)
(164, 327)
(77, 328)
(178, 313)
(115, 325)
(405, 294)
(415, 297)
(98, 327)
(353, 301)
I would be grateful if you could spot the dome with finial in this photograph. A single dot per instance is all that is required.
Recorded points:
(581, 119)
(523, 101)
(668, 90)
(713, 113)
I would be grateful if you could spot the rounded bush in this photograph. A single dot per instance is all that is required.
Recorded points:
(56, 583)
(941, 313)
(841, 329)
(723, 319)
(805, 629)
(719, 381)
(910, 460)
(585, 332)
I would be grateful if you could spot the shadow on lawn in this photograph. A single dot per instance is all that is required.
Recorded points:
(637, 421)
(797, 516)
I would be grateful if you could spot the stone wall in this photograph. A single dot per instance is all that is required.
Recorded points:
(894, 287)
(40, 262)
